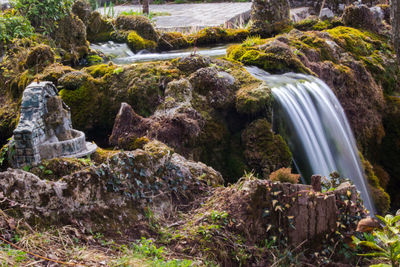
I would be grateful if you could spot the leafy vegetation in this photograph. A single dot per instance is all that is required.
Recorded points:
(383, 244)
(43, 14)
(13, 25)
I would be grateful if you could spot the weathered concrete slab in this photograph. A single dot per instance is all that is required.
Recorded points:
(192, 15)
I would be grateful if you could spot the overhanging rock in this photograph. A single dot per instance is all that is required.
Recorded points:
(45, 129)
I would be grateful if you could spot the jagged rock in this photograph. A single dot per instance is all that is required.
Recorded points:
(363, 17)
(175, 122)
(217, 86)
(269, 17)
(113, 191)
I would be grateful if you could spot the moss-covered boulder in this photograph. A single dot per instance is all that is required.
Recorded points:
(40, 57)
(99, 29)
(137, 43)
(217, 86)
(192, 63)
(140, 24)
(71, 37)
(254, 98)
(363, 17)
(265, 151)
(172, 41)
(73, 80)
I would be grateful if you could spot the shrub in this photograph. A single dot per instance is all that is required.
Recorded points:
(44, 14)
(14, 26)
(284, 175)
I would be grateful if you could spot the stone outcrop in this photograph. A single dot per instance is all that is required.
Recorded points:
(112, 191)
(45, 129)
(366, 18)
(269, 17)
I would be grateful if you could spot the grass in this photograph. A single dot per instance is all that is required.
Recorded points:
(151, 15)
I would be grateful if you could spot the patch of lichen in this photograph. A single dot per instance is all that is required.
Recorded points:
(103, 155)
(380, 197)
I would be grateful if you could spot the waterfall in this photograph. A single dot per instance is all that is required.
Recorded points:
(316, 128)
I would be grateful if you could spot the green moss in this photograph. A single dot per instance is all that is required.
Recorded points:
(357, 42)
(172, 40)
(210, 35)
(94, 59)
(236, 35)
(273, 62)
(136, 43)
(253, 99)
(101, 70)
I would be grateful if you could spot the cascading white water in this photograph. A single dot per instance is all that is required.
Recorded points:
(317, 129)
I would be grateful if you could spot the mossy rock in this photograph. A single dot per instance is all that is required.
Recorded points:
(192, 63)
(140, 24)
(137, 43)
(54, 169)
(99, 29)
(71, 36)
(54, 72)
(73, 80)
(253, 99)
(210, 35)
(380, 198)
(82, 9)
(172, 41)
(40, 57)
(265, 151)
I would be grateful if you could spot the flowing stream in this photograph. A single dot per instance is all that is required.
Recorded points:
(121, 54)
(316, 128)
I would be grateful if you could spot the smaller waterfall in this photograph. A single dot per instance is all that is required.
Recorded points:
(316, 128)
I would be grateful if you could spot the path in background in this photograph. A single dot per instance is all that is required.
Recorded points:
(186, 16)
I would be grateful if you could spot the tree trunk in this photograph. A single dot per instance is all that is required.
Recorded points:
(395, 14)
(145, 7)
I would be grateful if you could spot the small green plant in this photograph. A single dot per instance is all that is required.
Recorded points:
(147, 248)
(109, 11)
(151, 15)
(385, 244)
(331, 183)
(252, 41)
(13, 26)
(217, 216)
(285, 175)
